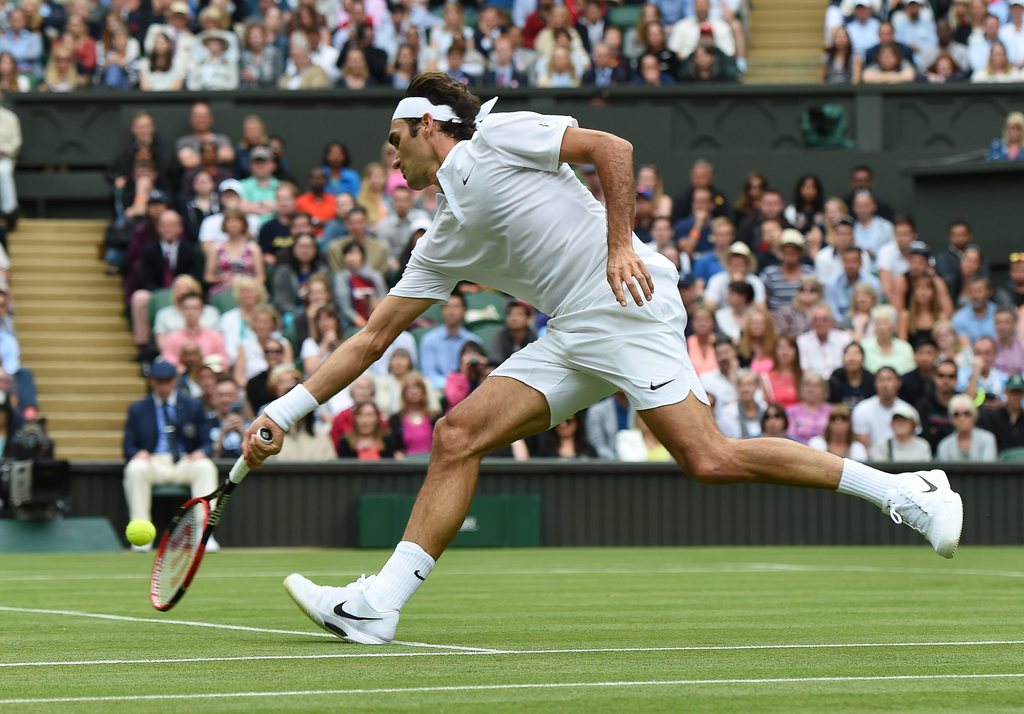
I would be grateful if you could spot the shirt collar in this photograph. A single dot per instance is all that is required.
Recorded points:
(172, 400)
(446, 178)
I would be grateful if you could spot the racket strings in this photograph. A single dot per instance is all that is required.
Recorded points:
(183, 545)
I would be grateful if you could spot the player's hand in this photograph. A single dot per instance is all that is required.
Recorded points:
(625, 266)
(254, 450)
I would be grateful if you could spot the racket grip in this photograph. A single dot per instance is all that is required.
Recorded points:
(240, 469)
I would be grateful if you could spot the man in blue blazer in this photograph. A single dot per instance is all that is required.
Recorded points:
(165, 441)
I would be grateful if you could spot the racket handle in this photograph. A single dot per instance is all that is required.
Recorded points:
(240, 469)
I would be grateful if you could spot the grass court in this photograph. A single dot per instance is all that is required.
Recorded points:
(562, 630)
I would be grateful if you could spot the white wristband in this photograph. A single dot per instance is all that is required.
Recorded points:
(286, 410)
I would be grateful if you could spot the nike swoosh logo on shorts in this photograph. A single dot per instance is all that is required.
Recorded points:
(931, 486)
(339, 610)
(655, 387)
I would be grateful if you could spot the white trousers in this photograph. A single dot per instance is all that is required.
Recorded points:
(8, 192)
(140, 475)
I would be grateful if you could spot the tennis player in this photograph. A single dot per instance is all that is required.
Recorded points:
(514, 217)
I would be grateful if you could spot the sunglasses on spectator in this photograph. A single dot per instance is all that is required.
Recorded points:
(809, 289)
(274, 351)
(961, 414)
(946, 375)
(773, 415)
(839, 417)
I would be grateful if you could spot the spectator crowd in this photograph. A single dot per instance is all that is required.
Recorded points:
(818, 316)
(170, 45)
(934, 41)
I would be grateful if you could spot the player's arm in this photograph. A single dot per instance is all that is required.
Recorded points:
(346, 363)
(613, 157)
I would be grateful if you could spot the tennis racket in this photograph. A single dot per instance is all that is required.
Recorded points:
(183, 543)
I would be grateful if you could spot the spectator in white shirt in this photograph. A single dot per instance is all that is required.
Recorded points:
(893, 256)
(915, 28)
(863, 28)
(979, 46)
(1012, 33)
(821, 347)
(872, 417)
(870, 231)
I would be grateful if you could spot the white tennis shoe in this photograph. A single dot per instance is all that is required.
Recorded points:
(924, 501)
(343, 611)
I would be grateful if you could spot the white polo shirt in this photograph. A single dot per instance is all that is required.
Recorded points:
(514, 218)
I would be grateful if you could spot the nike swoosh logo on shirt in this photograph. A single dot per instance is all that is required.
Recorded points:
(465, 180)
(339, 610)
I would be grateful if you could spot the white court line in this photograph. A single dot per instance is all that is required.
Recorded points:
(467, 651)
(507, 687)
(742, 568)
(217, 626)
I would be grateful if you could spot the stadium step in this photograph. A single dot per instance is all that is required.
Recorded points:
(74, 335)
(785, 42)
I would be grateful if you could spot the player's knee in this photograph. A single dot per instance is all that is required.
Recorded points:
(451, 438)
(711, 463)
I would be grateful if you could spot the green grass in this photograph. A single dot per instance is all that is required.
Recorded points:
(528, 600)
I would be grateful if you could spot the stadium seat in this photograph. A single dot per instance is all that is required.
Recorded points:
(624, 16)
(485, 331)
(224, 301)
(350, 331)
(158, 299)
(1014, 454)
(485, 307)
(418, 333)
(170, 489)
(432, 315)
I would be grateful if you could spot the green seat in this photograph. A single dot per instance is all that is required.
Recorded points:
(485, 307)
(418, 332)
(433, 314)
(1014, 454)
(224, 301)
(485, 331)
(350, 331)
(158, 299)
(624, 16)
(172, 490)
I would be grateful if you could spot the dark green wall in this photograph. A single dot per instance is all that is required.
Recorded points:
(582, 504)
(738, 128)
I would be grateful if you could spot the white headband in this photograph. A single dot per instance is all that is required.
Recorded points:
(416, 107)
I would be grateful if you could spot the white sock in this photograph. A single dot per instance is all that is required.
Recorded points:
(400, 577)
(865, 482)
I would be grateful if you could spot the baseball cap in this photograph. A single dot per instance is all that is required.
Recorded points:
(902, 409)
(687, 280)
(178, 7)
(862, 3)
(919, 247)
(845, 221)
(419, 224)
(159, 197)
(645, 193)
(515, 302)
(1016, 382)
(1017, 2)
(230, 185)
(214, 363)
(917, 2)
(162, 369)
(791, 236)
(261, 153)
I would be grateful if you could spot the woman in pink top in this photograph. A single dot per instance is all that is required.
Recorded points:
(701, 344)
(757, 340)
(413, 426)
(238, 255)
(808, 418)
(780, 383)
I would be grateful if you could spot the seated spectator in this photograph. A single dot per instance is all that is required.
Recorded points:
(604, 420)
(472, 370)
(809, 416)
(884, 348)
(976, 319)
(318, 294)
(160, 70)
(169, 318)
(795, 319)
(886, 36)
(950, 345)
(567, 440)
(236, 323)
(972, 265)
(933, 407)
(277, 235)
(1009, 147)
(61, 74)
(782, 281)
(774, 422)
(228, 424)
(161, 262)
(357, 288)
(238, 255)
(920, 380)
(822, 346)
(863, 27)
(967, 442)
(367, 440)
(838, 436)
(316, 201)
(261, 63)
(924, 311)
(325, 335)
(948, 46)
(164, 442)
(406, 66)
(355, 71)
(742, 418)
(1005, 422)
(688, 34)
(1009, 347)
(606, 70)
(200, 119)
(503, 71)
(291, 276)
(943, 70)
(307, 440)
(701, 344)
(376, 251)
(872, 417)
(210, 342)
(829, 262)
(23, 43)
(202, 203)
(211, 230)
(412, 425)
(340, 178)
(894, 257)
(259, 389)
(640, 444)
(337, 228)
(980, 44)
(740, 264)
(851, 383)
(708, 64)
(999, 69)
(903, 445)
(301, 72)
(757, 341)
(947, 260)
(254, 134)
(729, 318)
(981, 380)
(373, 196)
(559, 72)
(914, 27)
(395, 228)
(870, 231)
(10, 145)
(784, 377)
(749, 201)
(217, 71)
(839, 63)
(693, 233)
(441, 347)
(209, 164)
(1011, 296)
(259, 191)
(176, 29)
(1012, 32)
(517, 332)
(806, 212)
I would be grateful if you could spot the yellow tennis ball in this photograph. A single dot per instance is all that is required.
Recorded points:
(140, 532)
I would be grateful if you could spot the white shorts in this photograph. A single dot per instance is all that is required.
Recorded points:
(605, 348)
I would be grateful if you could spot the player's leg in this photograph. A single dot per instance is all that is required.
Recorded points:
(923, 500)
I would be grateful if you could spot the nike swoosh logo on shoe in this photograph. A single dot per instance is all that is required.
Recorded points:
(339, 610)
(931, 486)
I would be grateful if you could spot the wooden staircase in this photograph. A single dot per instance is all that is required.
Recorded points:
(786, 38)
(73, 335)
